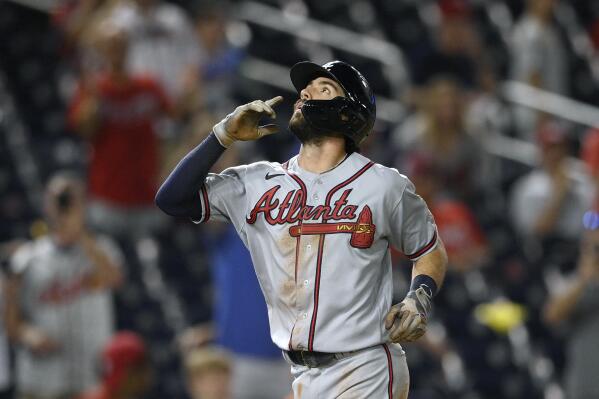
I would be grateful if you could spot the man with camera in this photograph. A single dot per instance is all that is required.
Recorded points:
(578, 305)
(58, 303)
(577, 302)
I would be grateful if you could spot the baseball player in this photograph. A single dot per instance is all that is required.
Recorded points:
(319, 228)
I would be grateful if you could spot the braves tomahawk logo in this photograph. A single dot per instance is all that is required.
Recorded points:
(292, 210)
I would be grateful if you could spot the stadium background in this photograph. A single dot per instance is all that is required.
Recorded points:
(479, 352)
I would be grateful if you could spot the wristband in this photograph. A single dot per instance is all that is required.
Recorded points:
(223, 137)
(426, 282)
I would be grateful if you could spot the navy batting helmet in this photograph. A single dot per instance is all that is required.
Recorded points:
(352, 115)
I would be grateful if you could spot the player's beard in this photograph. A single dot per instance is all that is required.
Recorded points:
(302, 130)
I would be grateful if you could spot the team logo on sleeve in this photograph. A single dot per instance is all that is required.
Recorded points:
(292, 210)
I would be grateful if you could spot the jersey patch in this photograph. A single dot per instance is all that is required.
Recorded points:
(363, 236)
(362, 231)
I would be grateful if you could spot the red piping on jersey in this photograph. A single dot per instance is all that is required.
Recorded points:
(346, 182)
(303, 188)
(390, 367)
(320, 251)
(206, 204)
(425, 248)
(316, 293)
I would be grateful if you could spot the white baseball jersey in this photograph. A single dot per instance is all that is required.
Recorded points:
(320, 244)
(54, 298)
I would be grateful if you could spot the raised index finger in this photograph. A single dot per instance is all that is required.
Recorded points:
(274, 101)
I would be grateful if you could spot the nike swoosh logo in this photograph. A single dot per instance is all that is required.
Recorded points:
(269, 176)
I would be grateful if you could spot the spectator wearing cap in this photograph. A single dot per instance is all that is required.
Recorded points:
(538, 58)
(550, 201)
(58, 298)
(208, 373)
(126, 372)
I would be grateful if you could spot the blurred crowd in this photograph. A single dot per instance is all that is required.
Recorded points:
(104, 297)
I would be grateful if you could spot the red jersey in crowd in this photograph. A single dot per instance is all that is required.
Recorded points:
(457, 227)
(125, 366)
(124, 163)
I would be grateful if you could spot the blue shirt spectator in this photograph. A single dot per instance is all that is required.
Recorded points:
(240, 313)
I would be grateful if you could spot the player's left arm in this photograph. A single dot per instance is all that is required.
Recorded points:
(433, 265)
(415, 233)
(407, 320)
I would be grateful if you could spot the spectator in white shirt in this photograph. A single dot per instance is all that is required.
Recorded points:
(162, 41)
(551, 200)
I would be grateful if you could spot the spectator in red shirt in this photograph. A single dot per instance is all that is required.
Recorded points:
(117, 112)
(126, 370)
(463, 237)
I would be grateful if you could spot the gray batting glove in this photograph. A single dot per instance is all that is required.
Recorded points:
(242, 124)
(407, 320)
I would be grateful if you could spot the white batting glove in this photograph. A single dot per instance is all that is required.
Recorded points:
(242, 124)
(407, 320)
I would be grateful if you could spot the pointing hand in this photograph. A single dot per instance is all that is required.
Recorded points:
(242, 124)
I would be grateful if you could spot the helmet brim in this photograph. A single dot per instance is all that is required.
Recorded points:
(304, 72)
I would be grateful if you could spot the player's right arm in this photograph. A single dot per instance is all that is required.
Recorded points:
(180, 192)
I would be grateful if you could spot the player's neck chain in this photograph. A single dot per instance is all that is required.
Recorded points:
(337, 164)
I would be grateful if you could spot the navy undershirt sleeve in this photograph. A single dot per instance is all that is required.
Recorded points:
(179, 194)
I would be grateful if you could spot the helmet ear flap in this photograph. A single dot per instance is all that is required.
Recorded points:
(356, 117)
